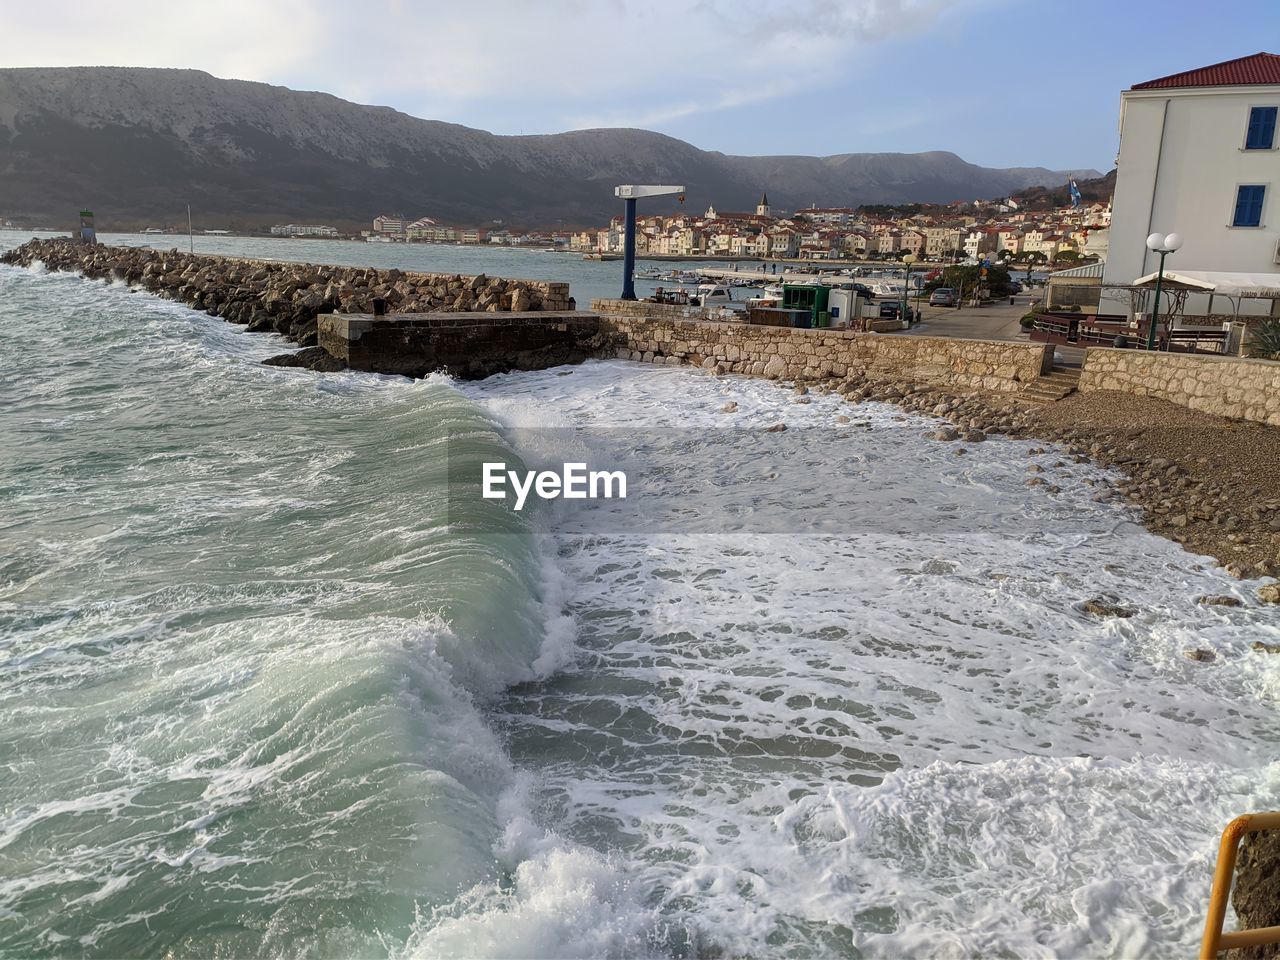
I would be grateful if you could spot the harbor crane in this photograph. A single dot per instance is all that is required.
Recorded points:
(631, 192)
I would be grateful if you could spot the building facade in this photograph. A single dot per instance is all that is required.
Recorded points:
(1199, 156)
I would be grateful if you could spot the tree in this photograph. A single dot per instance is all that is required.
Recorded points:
(1068, 256)
(960, 278)
(1034, 258)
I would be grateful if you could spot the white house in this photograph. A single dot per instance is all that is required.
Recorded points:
(1200, 156)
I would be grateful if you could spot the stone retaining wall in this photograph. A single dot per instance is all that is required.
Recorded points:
(1222, 386)
(651, 333)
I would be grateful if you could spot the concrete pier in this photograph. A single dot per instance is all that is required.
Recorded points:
(467, 345)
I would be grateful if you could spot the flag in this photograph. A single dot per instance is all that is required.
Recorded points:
(1075, 194)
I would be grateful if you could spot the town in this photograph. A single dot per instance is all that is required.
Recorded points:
(1007, 229)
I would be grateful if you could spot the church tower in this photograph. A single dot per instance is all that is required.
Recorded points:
(762, 208)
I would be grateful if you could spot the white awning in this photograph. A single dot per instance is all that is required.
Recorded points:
(1246, 285)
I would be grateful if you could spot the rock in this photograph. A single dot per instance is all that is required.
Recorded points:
(803, 400)
(312, 358)
(1035, 468)
(1200, 655)
(975, 436)
(1270, 593)
(776, 428)
(1256, 895)
(1262, 647)
(1106, 607)
(1219, 600)
(801, 391)
(729, 407)
(842, 419)
(946, 434)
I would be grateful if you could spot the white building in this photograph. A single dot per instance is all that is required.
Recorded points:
(299, 230)
(1200, 156)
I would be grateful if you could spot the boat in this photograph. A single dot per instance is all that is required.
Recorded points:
(712, 293)
(770, 296)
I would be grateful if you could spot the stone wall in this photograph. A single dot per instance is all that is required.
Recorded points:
(1222, 386)
(652, 333)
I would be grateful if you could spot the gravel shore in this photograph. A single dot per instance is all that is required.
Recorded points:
(1208, 483)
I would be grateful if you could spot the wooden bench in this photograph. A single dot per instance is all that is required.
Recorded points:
(1190, 340)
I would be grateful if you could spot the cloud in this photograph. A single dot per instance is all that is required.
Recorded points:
(541, 65)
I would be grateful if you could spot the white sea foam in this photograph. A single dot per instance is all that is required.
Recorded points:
(905, 738)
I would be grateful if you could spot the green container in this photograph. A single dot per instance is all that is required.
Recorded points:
(810, 297)
(824, 318)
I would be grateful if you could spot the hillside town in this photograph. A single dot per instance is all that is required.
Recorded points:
(963, 230)
(999, 229)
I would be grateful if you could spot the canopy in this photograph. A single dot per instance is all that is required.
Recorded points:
(1247, 285)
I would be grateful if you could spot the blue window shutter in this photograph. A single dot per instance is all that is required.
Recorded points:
(1249, 205)
(1262, 129)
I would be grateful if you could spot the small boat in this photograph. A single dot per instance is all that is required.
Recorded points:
(712, 293)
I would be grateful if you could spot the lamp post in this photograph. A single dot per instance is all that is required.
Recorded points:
(1163, 245)
(909, 259)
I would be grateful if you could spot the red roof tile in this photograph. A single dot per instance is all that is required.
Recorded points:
(1255, 69)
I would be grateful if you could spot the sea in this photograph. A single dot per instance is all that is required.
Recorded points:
(269, 687)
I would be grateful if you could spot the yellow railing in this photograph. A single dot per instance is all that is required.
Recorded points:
(1214, 939)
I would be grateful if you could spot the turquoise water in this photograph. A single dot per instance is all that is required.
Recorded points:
(257, 700)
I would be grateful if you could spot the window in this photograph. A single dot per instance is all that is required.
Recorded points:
(1249, 205)
(1262, 129)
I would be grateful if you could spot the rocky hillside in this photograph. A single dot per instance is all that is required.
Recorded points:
(137, 145)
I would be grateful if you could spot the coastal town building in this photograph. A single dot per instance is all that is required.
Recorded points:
(300, 230)
(1200, 156)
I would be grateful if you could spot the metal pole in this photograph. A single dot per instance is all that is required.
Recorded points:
(191, 237)
(629, 251)
(1155, 311)
(906, 282)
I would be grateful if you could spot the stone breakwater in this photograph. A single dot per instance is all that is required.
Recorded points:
(287, 297)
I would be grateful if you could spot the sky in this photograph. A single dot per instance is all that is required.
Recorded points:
(999, 82)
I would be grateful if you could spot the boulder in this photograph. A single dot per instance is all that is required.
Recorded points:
(1106, 607)
(1256, 896)
(1218, 600)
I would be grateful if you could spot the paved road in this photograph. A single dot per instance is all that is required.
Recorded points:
(999, 321)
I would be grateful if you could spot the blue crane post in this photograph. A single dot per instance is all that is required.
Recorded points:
(631, 192)
(629, 252)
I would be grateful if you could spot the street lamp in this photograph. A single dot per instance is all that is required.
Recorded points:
(1163, 245)
(909, 259)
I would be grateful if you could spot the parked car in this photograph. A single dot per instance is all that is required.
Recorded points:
(865, 292)
(942, 297)
(891, 310)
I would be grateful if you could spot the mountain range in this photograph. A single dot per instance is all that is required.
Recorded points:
(138, 144)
